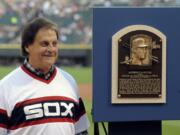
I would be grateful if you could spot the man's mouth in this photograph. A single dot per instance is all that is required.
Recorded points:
(48, 55)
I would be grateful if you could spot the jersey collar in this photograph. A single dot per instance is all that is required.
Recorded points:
(37, 74)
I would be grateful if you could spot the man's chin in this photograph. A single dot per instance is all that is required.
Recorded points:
(48, 63)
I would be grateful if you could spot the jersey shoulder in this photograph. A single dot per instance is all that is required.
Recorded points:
(70, 79)
(67, 75)
(12, 76)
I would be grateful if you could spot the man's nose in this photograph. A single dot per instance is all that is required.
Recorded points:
(50, 47)
(144, 49)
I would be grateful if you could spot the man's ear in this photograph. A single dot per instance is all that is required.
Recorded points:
(27, 48)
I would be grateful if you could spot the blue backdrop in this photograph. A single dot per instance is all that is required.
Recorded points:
(106, 22)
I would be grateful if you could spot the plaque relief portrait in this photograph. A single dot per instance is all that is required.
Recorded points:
(138, 65)
(141, 50)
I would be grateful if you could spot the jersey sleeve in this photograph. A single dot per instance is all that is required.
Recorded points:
(72, 82)
(82, 122)
(3, 114)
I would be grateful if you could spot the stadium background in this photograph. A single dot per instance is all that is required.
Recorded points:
(74, 18)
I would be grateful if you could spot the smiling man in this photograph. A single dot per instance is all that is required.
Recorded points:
(43, 51)
(38, 98)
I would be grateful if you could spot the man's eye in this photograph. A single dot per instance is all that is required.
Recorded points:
(54, 44)
(44, 44)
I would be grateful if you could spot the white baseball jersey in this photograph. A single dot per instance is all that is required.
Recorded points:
(30, 105)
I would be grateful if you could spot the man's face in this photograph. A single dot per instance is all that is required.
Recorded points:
(43, 51)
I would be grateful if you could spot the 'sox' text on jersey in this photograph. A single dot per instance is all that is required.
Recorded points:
(48, 109)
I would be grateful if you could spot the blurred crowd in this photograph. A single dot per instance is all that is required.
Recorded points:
(72, 16)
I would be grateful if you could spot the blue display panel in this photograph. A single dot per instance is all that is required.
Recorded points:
(106, 22)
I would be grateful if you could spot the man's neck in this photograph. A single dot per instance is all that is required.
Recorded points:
(39, 72)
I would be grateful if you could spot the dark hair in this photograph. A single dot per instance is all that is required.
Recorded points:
(31, 29)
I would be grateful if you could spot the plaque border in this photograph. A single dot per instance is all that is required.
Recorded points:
(114, 69)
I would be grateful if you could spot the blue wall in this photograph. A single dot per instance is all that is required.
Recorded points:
(106, 22)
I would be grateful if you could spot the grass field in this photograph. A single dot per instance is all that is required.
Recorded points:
(84, 76)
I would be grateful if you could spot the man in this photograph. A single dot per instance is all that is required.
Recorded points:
(140, 52)
(38, 98)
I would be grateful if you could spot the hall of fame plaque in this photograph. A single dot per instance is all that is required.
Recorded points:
(138, 65)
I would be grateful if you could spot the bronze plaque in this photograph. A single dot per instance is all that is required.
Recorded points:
(139, 65)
